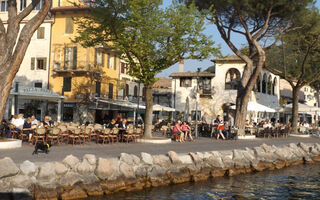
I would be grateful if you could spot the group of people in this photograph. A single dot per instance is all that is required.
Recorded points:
(183, 130)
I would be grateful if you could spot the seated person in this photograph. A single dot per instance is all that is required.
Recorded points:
(18, 123)
(186, 130)
(177, 130)
(123, 124)
(47, 122)
(27, 128)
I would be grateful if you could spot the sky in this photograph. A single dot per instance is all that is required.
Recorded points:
(210, 30)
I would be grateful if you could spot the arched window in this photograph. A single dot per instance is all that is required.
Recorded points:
(274, 88)
(135, 91)
(269, 86)
(258, 84)
(127, 90)
(232, 79)
(264, 84)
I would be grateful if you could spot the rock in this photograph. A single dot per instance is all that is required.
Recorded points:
(42, 193)
(85, 168)
(93, 189)
(304, 147)
(70, 179)
(174, 157)
(76, 193)
(71, 161)
(226, 157)
(179, 175)
(90, 179)
(28, 168)
(21, 181)
(146, 158)
(4, 186)
(196, 158)
(216, 160)
(126, 170)
(239, 160)
(107, 169)
(259, 153)
(136, 159)
(47, 171)
(60, 168)
(8, 167)
(185, 159)
(92, 160)
(161, 160)
(113, 186)
(142, 171)
(126, 158)
(158, 177)
(267, 148)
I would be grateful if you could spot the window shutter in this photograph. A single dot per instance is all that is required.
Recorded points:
(95, 56)
(32, 63)
(69, 25)
(108, 60)
(64, 57)
(74, 57)
(102, 59)
(44, 63)
(115, 62)
(40, 33)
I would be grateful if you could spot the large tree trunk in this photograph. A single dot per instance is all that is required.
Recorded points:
(295, 107)
(148, 115)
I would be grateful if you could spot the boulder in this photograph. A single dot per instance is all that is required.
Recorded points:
(76, 193)
(4, 185)
(60, 168)
(158, 177)
(174, 157)
(70, 179)
(47, 172)
(42, 193)
(136, 159)
(93, 189)
(259, 153)
(113, 186)
(267, 148)
(162, 160)
(304, 147)
(107, 169)
(85, 168)
(127, 170)
(90, 179)
(185, 159)
(71, 161)
(226, 157)
(28, 168)
(21, 181)
(216, 160)
(8, 167)
(146, 158)
(92, 160)
(179, 174)
(196, 158)
(126, 158)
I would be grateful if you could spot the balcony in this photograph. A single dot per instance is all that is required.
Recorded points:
(81, 70)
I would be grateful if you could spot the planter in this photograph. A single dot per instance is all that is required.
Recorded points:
(302, 135)
(246, 137)
(10, 143)
(155, 140)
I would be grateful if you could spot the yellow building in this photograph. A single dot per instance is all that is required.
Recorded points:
(82, 75)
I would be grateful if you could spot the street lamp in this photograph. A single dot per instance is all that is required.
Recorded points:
(197, 99)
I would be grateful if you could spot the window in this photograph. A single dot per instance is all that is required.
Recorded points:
(110, 91)
(4, 6)
(38, 84)
(135, 91)
(123, 68)
(38, 63)
(99, 57)
(258, 84)
(98, 88)
(232, 79)
(115, 62)
(264, 84)
(39, 5)
(23, 4)
(185, 82)
(70, 58)
(127, 90)
(205, 86)
(40, 33)
(110, 61)
(193, 115)
(67, 84)
(69, 25)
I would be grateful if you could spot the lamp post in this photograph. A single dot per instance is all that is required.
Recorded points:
(197, 99)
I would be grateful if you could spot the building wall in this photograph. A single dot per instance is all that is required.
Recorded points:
(221, 97)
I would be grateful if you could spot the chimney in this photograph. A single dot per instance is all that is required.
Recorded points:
(181, 63)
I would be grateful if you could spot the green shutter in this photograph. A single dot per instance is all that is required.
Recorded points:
(69, 25)
(115, 62)
(32, 63)
(44, 63)
(102, 59)
(74, 57)
(95, 56)
(108, 60)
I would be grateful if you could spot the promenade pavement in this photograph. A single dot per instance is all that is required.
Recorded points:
(58, 153)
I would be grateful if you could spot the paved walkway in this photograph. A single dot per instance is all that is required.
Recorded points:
(58, 153)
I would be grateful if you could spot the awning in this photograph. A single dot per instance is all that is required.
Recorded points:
(302, 108)
(157, 107)
(256, 107)
(36, 93)
(121, 103)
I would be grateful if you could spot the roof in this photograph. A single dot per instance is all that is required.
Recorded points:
(231, 58)
(192, 74)
(163, 83)
(69, 8)
(36, 93)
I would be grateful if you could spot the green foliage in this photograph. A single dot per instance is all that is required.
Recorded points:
(150, 37)
(297, 58)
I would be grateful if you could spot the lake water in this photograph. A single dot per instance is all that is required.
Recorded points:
(297, 182)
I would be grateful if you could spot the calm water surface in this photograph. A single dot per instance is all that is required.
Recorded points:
(298, 182)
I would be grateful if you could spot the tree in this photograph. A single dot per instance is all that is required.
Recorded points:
(150, 37)
(261, 23)
(297, 58)
(14, 43)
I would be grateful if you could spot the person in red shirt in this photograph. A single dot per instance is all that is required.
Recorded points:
(186, 130)
(177, 130)
(220, 128)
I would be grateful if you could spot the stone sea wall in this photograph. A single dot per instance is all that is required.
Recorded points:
(77, 179)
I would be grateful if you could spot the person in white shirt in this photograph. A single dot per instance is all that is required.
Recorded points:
(18, 122)
(34, 121)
